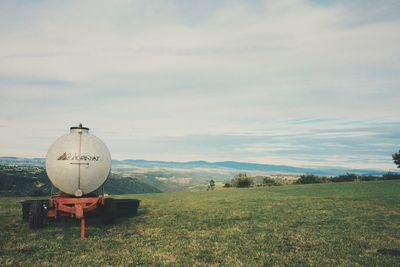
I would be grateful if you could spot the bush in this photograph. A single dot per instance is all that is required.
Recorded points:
(227, 184)
(310, 179)
(268, 180)
(242, 180)
(391, 176)
(348, 177)
(369, 178)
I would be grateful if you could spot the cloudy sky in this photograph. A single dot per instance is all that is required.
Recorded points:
(304, 83)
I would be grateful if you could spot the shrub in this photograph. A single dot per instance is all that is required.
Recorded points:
(268, 180)
(348, 177)
(227, 184)
(391, 176)
(369, 178)
(310, 179)
(242, 180)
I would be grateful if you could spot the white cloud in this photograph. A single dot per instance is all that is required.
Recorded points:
(152, 69)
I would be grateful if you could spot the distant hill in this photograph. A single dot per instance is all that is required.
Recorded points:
(283, 169)
(117, 184)
(179, 176)
(244, 166)
(22, 161)
(32, 180)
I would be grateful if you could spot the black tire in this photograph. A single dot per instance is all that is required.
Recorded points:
(36, 214)
(109, 211)
(26, 205)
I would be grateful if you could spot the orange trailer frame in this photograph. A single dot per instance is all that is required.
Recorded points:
(93, 205)
(75, 207)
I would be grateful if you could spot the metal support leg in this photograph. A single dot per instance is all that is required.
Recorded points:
(82, 228)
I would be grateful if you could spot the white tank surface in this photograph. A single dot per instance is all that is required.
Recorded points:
(78, 163)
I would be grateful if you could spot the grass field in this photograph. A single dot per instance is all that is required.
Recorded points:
(321, 224)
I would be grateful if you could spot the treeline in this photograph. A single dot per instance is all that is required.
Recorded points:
(23, 180)
(243, 180)
(33, 181)
(348, 177)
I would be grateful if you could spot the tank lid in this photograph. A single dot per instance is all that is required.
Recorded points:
(80, 127)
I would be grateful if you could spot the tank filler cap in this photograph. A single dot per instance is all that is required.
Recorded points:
(79, 129)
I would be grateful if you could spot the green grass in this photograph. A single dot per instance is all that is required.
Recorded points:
(296, 225)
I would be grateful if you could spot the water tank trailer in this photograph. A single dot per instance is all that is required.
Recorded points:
(77, 164)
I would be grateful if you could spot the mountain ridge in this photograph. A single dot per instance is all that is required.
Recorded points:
(237, 165)
(138, 175)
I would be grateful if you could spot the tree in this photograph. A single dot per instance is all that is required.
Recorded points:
(242, 180)
(396, 159)
(211, 185)
(268, 181)
(308, 179)
(227, 184)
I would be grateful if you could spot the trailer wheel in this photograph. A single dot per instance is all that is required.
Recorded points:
(25, 210)
(109, 211)
(36, 214)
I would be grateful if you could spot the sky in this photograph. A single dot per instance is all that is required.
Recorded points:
(301, 83)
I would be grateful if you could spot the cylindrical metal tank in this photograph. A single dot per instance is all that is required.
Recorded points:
(78, 163)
